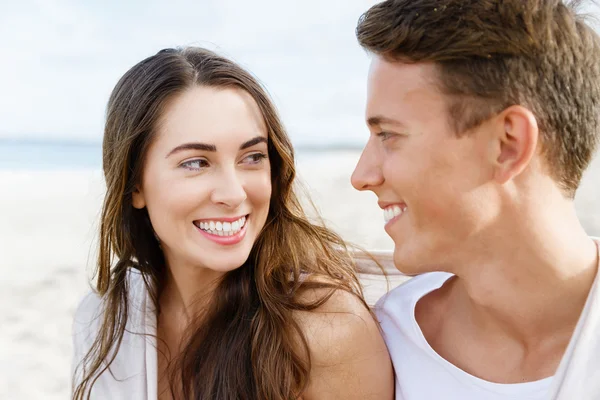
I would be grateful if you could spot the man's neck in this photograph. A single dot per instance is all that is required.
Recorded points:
(532, 288)
(515, 305)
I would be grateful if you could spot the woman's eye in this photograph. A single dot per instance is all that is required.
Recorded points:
(255, 158)
(194, 165)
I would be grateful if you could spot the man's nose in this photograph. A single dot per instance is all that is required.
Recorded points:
(367, 173)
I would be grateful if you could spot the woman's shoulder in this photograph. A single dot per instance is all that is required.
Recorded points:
(342, 321)
(348, 355)
(89, 312)
(86, 324)
(130, 360)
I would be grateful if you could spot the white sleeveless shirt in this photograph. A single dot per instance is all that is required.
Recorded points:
(421, 373)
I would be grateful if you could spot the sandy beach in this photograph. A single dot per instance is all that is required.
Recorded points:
(48, 222)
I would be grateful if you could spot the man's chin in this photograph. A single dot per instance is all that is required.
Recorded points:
(407, 262)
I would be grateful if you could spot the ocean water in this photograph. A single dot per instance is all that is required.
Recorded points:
(35, 155)
(54, 155)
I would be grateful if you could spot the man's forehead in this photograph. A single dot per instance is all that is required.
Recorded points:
(399, 91)
(395, 75)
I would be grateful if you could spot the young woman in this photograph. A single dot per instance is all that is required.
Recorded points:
(211, 281)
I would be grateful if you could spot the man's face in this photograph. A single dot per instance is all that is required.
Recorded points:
(431, 183)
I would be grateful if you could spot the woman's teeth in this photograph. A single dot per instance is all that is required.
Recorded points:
(391, 212)
(219, 228)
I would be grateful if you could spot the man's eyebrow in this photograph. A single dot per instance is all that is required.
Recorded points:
(193, 146)
(379, 120)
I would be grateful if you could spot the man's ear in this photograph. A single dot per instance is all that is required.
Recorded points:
(138, 199)
(514, 142)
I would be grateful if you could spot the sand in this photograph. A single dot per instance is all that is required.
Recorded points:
(48, 222)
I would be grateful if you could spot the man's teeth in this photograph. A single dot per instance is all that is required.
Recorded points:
(391, 212)
(219, 228)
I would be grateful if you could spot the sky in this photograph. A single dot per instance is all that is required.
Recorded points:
(61, 59)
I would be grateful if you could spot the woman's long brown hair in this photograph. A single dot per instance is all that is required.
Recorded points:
(248, 344)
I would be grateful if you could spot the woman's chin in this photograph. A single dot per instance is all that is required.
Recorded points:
(226, 261)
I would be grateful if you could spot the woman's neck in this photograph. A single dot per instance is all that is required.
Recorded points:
(186, 287)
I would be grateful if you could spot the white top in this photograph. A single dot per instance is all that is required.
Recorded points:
(421, 373)
(578, 375)
(134, 370)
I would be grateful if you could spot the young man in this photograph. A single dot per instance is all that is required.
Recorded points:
(483, 117)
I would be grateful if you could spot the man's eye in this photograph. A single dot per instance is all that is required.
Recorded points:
(384, 135)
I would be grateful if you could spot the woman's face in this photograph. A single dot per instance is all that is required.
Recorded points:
(207, 178)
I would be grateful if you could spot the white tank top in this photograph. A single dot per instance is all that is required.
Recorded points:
(421, 373)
